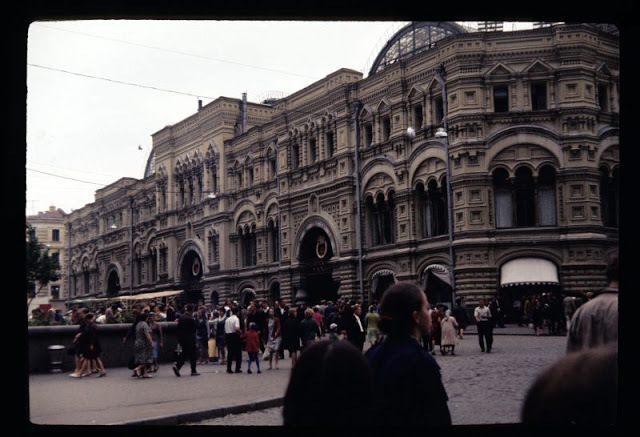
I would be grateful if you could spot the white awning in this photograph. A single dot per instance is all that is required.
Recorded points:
(150, 295)
(439, 271)
(522, 271)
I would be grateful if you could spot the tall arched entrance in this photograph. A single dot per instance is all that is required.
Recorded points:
(191, 277)
(113, 283)
(315, 267)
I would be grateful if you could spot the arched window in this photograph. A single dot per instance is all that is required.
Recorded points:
(525, 201)
(609, 196)
(274, 242)
(431, 209)
(503, 201)
(381, 219)
(547, 196)
(525, 197)
(248, 243)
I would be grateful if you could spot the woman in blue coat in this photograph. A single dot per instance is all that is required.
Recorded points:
(407, 383)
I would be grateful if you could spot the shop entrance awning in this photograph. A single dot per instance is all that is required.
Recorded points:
(152, 295)
(523, 271)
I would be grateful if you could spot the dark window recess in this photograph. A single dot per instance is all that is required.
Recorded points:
(386, 128)
(538, 96)
(368, 134)
(603, 97)
(501, 99)
(417, 117)
(329, 143)
(438, 110)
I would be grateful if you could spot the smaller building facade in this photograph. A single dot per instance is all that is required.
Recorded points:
(50, 232)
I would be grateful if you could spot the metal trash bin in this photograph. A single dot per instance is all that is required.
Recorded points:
(56, 357)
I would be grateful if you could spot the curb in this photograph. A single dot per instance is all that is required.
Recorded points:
(199, 416)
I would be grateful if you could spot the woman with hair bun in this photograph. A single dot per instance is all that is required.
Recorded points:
(408, 387)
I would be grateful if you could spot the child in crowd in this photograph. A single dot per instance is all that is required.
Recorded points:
(252, 346)
(333, 331)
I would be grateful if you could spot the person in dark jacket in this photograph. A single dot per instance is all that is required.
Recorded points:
(407, 383)
(291, 335)
(459, 312)
(187, 327)
(354, 327)
(309, 329)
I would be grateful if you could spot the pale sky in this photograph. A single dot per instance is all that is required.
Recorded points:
(96, 90)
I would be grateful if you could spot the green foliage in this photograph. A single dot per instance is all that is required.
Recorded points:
(41, 267)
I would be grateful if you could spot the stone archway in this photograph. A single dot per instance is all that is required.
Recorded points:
(191, 272)
(113, 282)
(316, 280)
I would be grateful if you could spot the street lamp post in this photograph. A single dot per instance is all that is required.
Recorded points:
(443, 133)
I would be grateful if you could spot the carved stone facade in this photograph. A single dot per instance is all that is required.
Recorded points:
(326, 194)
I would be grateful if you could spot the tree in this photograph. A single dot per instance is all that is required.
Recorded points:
(41, 267)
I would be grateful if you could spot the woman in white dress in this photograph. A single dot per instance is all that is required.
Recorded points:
(449, 338)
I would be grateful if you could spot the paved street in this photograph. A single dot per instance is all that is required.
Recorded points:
(482, 388)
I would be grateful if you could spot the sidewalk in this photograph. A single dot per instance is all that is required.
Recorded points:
(119, 399)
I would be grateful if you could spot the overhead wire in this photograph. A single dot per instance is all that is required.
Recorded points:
(179, 52)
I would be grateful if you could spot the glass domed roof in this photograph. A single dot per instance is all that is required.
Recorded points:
(412, 39)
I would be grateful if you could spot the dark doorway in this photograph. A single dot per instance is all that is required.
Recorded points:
(113, 284)
(274, 293)
(191, 278)
(315, 275)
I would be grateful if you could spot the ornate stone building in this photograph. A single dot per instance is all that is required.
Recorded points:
(341, 188)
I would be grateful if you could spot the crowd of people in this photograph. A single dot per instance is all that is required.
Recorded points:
(396, 380)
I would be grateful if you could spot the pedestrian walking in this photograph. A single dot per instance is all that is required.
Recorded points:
(448, 336)
(220, 335)
(482, 314)
(186, 331)
(371, 324)
(158, 340)
(274, 342)
(143, 346)
(92, 349)
(407, 383)
(309, 329)
(537, 316)
(202, 336)
(291, 335)
(252, 346)
(354, 327)
(233, 340)
(459, 312)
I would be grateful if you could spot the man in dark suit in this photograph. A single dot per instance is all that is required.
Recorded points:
(354, 328)
(187, 327)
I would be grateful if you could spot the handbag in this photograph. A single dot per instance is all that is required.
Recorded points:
(132, 363)
(266, 354)
(71, 351)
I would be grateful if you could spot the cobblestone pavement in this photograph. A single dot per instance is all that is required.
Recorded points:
(483, 388)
